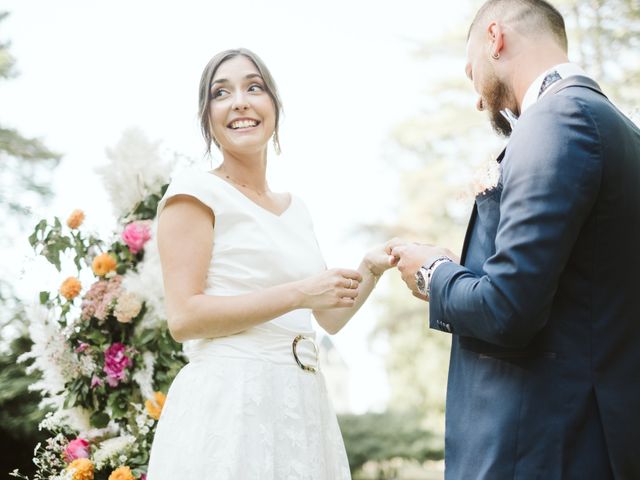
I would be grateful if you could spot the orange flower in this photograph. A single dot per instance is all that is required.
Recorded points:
(122, 473)
(75, 219)
(154, 405)
(70, 288)
(103, 264)
(82, 469)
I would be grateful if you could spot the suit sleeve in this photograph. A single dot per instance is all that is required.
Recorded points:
(551, 177)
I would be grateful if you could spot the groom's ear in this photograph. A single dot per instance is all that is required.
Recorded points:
(495, 35)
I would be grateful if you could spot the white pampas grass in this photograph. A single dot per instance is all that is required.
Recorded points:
(136, 169)
(144, 376)
(51, 356)
(110, 449)
(147, 284)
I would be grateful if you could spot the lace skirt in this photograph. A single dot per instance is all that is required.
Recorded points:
(243, 409)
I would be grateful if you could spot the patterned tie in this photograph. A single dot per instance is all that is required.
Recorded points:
(550, 79)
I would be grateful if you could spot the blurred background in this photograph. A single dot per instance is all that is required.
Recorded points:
(380, 138)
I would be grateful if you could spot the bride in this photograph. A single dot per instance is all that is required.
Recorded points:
(243, 274)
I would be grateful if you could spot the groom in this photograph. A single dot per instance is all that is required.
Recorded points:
(544, 307)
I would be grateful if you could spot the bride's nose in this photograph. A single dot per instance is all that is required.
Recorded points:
(240, 103)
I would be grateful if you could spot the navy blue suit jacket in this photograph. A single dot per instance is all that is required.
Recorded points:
(544, 380)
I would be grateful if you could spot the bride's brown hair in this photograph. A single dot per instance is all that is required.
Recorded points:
(205, 92)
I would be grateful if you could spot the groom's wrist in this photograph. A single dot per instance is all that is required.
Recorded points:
(429, 270)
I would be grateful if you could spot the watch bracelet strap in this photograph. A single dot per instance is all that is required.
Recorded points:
(431, 268)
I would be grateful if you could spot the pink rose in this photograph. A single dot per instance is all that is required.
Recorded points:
(82, 347)
(116, 363)
(78, 448)
(143, 476)
(135, 235)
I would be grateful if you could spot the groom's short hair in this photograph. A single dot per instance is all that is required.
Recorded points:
(530, 16)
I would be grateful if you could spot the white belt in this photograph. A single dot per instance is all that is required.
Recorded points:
(267, 342)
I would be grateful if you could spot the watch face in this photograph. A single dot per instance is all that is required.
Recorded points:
(421, 282)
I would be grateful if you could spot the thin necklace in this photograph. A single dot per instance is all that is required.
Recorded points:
(240, 184)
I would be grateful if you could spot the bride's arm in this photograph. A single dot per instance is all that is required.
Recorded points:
(185, 239)
(372, 266)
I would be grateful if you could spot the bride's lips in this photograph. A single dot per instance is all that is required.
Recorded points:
(243, 123)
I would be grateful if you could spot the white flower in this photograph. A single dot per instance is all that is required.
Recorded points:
(128, 307)
(65, 475)
(487, 177)
(112, 448)
(144, 376)
(135, 170)
(78, 418)
(53, 420)
(51, 355)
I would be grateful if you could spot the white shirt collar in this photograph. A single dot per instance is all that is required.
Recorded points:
(565, 70)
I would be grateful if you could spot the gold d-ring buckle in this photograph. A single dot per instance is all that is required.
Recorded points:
(294, 345)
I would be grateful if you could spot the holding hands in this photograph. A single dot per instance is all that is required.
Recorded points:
(340, 287)
(409, 257)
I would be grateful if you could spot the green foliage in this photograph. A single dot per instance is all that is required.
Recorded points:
(381, 437)
(19, 410)
(18, 406)
(51, 242)
(146, 209)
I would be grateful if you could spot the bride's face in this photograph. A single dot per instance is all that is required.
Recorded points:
(242, 114)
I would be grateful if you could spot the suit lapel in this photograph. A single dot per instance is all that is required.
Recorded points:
(467, 235)
(472, 219)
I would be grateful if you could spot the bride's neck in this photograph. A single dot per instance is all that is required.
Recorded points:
(251, 171)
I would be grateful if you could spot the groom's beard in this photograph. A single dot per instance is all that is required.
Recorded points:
(499, 96)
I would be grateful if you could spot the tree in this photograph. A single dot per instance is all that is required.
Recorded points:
(27, 162)
(384, 437)
(27, 166)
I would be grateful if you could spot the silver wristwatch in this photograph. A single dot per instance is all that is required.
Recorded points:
(424, 273)
(421, 280)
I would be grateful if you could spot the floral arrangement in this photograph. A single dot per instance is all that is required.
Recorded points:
(102, 348)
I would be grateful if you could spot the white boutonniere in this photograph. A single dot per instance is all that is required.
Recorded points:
(486, 178)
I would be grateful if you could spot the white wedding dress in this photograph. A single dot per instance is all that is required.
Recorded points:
(242, 408)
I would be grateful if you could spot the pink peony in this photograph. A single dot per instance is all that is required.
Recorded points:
(135, 235)
(116, 363)
(78, 448)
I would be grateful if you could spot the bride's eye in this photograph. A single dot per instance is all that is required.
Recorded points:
(256, 87)
(217, 93)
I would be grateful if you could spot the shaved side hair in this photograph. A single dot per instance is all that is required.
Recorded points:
(527, 16)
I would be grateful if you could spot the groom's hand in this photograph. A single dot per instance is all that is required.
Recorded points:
(412, 256)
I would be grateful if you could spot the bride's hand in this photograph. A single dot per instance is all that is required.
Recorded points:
(333, 288)
(377, 260)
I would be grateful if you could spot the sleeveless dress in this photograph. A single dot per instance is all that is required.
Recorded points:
(242, 408)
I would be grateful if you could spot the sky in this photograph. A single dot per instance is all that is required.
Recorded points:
(346, 70)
